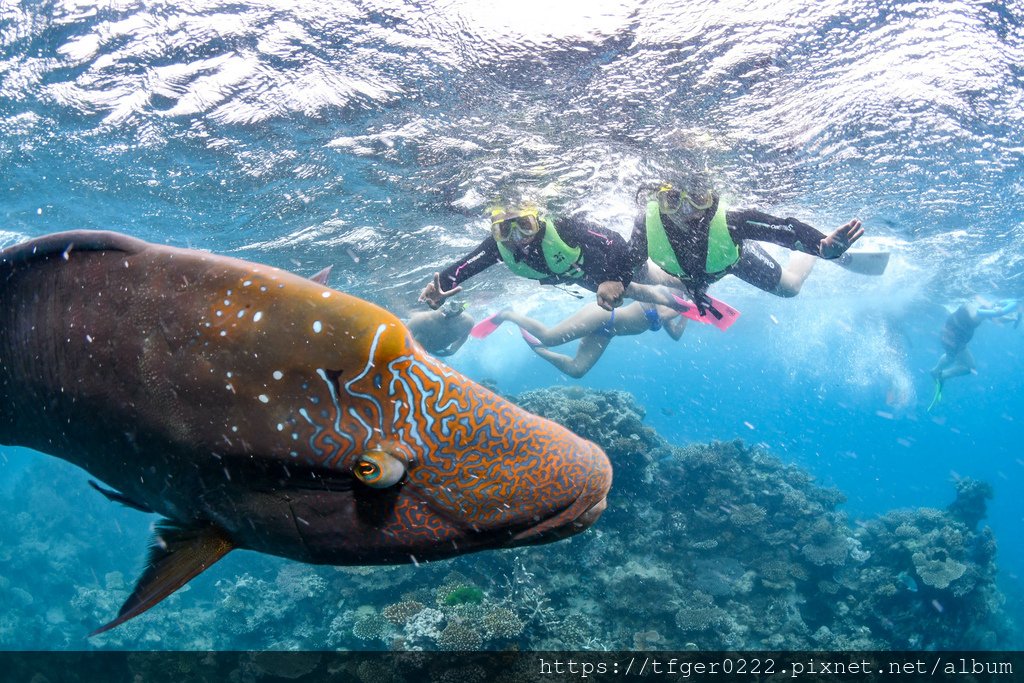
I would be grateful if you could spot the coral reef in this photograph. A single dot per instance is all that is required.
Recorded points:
(704, 546)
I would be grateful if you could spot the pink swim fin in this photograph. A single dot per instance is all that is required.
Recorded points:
(485, 327)
(718, 313)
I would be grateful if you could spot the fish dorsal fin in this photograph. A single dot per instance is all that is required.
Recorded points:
(177, 555)
(119, 497)
(66, 243)
(321, 277)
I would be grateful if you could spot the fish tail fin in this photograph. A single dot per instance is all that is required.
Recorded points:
(177, 555)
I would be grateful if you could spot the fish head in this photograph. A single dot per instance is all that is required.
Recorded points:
(418, 462)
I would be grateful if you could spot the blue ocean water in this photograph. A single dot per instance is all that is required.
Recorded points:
(374, 135)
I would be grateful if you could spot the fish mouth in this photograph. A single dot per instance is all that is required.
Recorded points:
(578, 517)
(562, 525)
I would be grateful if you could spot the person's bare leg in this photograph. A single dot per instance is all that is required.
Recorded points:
(964, 365)
(590, 350)
(795, 273)
(581, 323)
(940, 367)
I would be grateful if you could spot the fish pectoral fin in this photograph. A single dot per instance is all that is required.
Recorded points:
(119, 497)
(177, 555)
(322, 277)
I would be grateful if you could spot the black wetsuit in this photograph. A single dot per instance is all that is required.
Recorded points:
(603, 256)
(958, 330)
(755, 266)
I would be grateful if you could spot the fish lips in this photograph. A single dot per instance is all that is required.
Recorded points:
(577, 517)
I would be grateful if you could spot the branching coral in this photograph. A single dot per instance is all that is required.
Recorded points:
(501, 623)
(400, 612)
(370, 626)
(458, 635)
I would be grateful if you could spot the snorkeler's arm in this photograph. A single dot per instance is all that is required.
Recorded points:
(653, 294)
(750, 224)
(1003, 308)
(484, 256)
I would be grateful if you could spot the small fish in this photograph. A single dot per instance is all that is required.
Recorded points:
(908, 581)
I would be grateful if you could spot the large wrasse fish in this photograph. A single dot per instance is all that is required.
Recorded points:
(252, 408)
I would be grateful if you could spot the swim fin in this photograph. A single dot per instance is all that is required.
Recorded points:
(864, 262)
(937, 396)
(485, 327)
(718, 313)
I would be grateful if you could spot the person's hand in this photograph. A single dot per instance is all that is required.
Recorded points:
(836, 244)
(609, 294)
(434, 295)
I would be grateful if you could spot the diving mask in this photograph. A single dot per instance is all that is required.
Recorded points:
(671, 200)
(516, 228)
(452, 308)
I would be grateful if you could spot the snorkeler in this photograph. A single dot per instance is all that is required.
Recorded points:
(441, 332)
(552, 251)
(691, 235)
(956, 360)
(595, 328)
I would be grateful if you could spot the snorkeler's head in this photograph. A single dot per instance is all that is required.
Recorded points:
(452, 308)
(673, 201)
(516, 226)
(685, 197)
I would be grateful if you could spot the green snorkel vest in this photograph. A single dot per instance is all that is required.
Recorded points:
(722, 250)
(561, 259)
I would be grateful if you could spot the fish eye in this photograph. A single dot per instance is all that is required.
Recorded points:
(378, 469)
